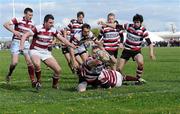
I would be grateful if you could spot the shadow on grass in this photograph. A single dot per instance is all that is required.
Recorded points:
(18, 88)
(68, 78)
(70, 89)
(12, 87)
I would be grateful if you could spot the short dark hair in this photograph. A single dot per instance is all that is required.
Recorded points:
(116, 21)
(138, 17)
(27, 10)
(111, 14)
(80, 13)
(47, 17)
(85, 25)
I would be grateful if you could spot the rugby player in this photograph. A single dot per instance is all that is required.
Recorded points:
(21, 26)
(42, 38)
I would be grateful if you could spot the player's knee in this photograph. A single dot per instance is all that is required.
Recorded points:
(29, 63)
(58, 71)
(37, 67)
(141, 64)
(14, 64)
(82, 87)
(81, 90)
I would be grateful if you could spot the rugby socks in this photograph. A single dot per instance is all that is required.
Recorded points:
(72, 69)
(78, 71)
(130, 78)
(38, 75)
(31, 72)
(139, 72)
(11, 69)
(55, 81)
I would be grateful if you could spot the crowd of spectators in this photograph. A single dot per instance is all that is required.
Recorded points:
(169, 43)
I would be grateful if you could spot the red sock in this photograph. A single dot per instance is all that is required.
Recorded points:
(38, 75)
(130, 78)
(31, 72)
(55, 80)
(139, 72)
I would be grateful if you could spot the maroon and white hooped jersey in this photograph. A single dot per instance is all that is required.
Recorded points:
(135, 37)
(110, 78)
(111, 38)
(89, 73)
(68, 35)
(42, 37)
(75, 26)
(22, 25)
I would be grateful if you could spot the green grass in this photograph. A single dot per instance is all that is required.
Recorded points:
(161, 95)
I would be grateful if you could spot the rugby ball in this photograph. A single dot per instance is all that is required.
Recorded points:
(103, 55)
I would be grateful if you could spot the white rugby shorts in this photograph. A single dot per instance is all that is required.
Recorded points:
(44, 54)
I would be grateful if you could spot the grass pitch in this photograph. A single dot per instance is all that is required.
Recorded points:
(161, 95)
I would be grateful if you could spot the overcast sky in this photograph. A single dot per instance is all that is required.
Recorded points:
(158, 14)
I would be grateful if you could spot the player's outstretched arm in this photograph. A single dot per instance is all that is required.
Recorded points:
(74, 62)
(151, 52)
(65, 41)
(23, 39)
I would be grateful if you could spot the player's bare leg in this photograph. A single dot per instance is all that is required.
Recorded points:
(30, 69)
(79, 59)
(84, 56)
(53, 64)
(82, 87)
(68, 59)
(140, 66)
(37, 64)
(120, 64)
(14, 62)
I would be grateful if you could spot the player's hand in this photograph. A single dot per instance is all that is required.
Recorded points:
(21, 52)
(75, 65)
(121, 46)
(17, 33)
(101, 23)
(21, 48)
(152, 56)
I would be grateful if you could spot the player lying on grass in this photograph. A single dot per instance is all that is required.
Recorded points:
(94, 72)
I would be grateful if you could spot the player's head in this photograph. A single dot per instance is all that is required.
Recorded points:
(86, 29)
(111, 18)
(48, 21)
(80, 16)
(138, 19)
(28, 13)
